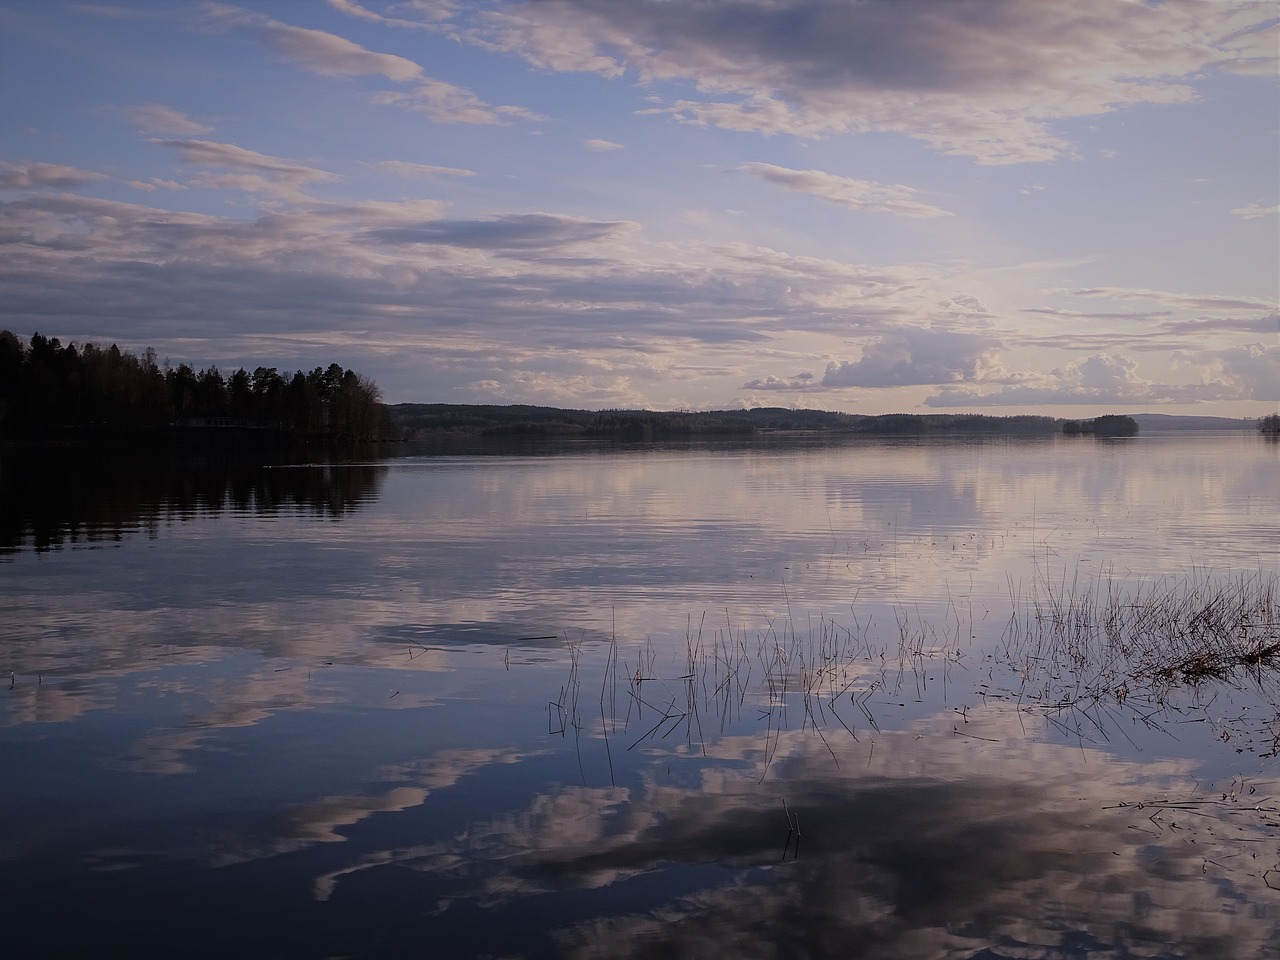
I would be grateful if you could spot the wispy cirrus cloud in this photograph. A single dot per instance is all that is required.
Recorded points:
(601, 146)
(445, 102)
(867, 195)
(251, 172)
(328, 54)
(212, 154)
(1177, 300)
(428, 171)
(315, 50)
(159, 118)
(429, 12)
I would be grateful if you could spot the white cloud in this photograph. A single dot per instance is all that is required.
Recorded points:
(801, 381)
(915, 357)
(1254, 369)
(894, 198)
(601, 146)
(1256, 211)
(1249, 372)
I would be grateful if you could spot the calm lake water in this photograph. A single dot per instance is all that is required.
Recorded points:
(800, 700)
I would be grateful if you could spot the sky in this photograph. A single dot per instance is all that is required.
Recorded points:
(1062, 207)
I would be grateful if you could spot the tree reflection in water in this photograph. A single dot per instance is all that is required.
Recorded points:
(62, 497)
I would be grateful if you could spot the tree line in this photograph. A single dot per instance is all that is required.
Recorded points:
(1111, 425)
(47, 388)
(442, 421)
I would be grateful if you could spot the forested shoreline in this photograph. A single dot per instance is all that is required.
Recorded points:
(442, 421)
(49, 390)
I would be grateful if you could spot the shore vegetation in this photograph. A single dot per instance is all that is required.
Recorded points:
(53, 391)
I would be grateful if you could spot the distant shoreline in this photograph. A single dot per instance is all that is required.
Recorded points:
(447, 423)
(428, 421)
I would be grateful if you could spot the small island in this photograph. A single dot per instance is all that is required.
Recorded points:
(1111, 425)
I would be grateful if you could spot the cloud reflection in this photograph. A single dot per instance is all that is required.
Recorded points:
(926, 844)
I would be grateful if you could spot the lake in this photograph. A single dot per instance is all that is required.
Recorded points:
(804, 699)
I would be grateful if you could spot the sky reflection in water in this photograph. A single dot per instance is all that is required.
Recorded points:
(290, 730)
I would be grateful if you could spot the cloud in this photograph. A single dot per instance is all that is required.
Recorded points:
(801, 381)
(353, 9)
(914, 357)
(158, 118)
(984, 80)
(447, 103)
(1176, 300)
(601, 146)
(1255, 211)
(1263, 324)
(531, 231)
(1249, 372)
(1253, 369)
(27, 176)
(402, 168)
(547, 305)
(330, 55)
(156, 183)
(887, 877)
(324, 53)
(846, 191)
(210, 154)
(431, 12)
(257, 173)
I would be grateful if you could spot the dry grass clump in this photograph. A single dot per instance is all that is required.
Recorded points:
(1173, 630)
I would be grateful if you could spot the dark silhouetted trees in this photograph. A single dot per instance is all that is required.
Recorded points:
(1111, 425)
(47, 388)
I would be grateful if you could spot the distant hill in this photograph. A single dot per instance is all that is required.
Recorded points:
(452, 421)
(1158, 422)
(440, 421)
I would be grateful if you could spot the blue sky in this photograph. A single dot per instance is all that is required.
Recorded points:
(1025, 206)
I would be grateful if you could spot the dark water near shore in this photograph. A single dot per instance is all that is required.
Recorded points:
(750, 701)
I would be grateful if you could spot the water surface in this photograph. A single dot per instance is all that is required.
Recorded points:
(786, 700)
